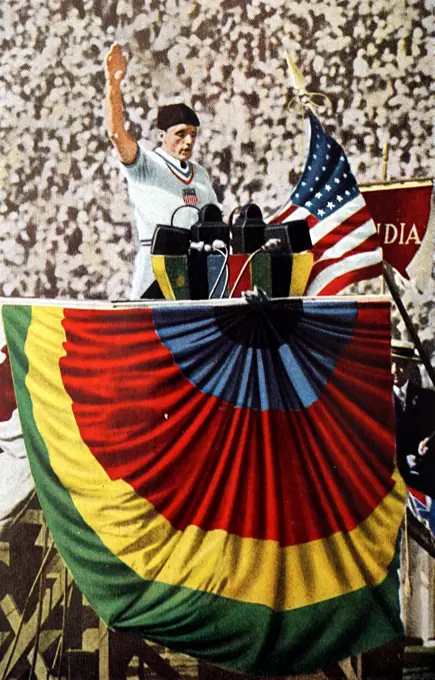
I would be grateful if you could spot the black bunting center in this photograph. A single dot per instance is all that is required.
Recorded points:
(262, 326)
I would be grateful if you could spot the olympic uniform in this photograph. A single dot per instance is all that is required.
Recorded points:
(158, 184)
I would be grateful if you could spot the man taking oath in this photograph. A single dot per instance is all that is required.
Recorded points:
(161, 180)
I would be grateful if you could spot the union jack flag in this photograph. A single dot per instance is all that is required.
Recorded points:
(345, 241)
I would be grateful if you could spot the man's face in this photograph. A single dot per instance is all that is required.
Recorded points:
(400, 371)
(178, 141)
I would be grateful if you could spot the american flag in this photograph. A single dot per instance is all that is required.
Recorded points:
(345, 241)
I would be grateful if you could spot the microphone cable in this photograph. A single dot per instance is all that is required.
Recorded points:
(221, 248)
(271, 246)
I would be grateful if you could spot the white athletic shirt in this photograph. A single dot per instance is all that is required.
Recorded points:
(157, 186)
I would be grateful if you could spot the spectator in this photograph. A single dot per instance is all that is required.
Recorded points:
(415, 422)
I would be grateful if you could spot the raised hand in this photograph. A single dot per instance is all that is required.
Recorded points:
(115, 66)
(115, 63)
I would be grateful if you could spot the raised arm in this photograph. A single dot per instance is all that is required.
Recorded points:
(115, 69)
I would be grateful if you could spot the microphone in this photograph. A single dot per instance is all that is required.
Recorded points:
(170, 240)
(218, 245)
(200, 247)
(273, 245)
(210, 225)
(295, 236)
(247, 232)
(197, 245)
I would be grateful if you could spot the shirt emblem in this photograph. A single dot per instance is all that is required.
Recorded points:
(190, 197)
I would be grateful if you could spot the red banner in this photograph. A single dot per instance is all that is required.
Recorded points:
(401, 214)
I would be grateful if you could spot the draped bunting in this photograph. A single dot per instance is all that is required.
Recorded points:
(220, 477)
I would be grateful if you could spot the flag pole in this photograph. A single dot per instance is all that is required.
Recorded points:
(305, 99)
(389, 279)
(384, 175)
(385, 161)
(298, 83)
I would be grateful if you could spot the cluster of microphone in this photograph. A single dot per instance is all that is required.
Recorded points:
(210, 259)
(243, 234)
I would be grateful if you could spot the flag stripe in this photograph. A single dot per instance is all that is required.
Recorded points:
(335, 219)
(368, 264)
(365, 247)
(287, 210)
(351, 241)
(348, 225)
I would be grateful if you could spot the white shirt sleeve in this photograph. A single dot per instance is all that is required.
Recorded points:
(139, 170)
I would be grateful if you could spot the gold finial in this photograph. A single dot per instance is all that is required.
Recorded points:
(305, 98)
(296, 76)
